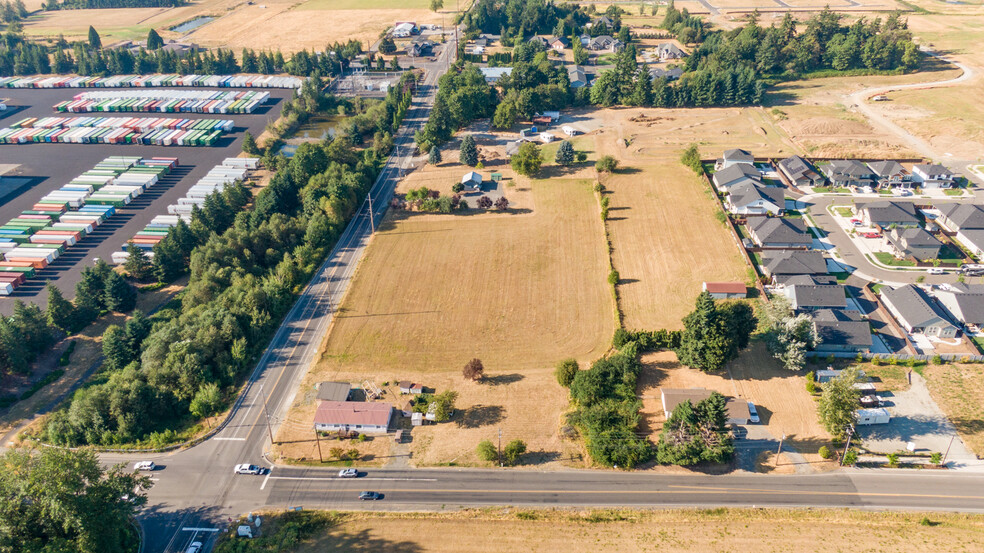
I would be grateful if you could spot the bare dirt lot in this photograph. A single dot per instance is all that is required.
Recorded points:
(957, 391)
(611, 531)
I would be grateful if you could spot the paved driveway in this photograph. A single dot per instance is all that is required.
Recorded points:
(916, 418)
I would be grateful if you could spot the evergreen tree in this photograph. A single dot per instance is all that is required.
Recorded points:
(120, 295)
(94, 41)
(137, 263)
(468, 154)
(12, 354)
(154, 40)
(116, 348)
(61, 312)
(435, 155)
(565, 154)
(32, 325)
(249, 144)
(706, 343)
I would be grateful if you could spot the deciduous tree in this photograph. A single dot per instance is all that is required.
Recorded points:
(513, 451)
(487, 451)
(566, 371)
(839, 402)
(606, 164)
(527, 160)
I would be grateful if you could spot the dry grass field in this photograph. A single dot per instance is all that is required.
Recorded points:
(668, 531)
(659, 208)
(287, 25)
(520, 291)
(957, 390)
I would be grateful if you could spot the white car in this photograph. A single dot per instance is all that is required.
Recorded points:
(245, 468)
(936, 271)
(145, 465)
(195, 547)
(348, 473)
(753, 415)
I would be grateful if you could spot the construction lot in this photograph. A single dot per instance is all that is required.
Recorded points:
(43, 168)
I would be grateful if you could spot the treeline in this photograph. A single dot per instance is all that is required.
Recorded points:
(825, 44)
(31, 331)
(534, 85)
(606, 411)
(11, 11)
(19, 56)
(516, 20)
(245, 269)
(687, 28)
(54, 5)
(462, 96)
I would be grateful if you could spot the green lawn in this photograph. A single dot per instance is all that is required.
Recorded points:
(844, 211)
(842, 190)
(953, 192)
(888, 259)
(821, 189)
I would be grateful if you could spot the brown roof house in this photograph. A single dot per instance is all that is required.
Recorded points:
(726, 290)
(353, 416)
(407, 387)
(737, 409)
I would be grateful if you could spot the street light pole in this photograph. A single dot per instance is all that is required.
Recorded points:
(847, 446)
(779, 451)
(267, 414)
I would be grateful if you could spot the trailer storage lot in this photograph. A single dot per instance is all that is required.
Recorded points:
(52, 165)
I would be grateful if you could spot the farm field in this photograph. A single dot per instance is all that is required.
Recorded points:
(658, 206)
(273, 24)
(618, 531)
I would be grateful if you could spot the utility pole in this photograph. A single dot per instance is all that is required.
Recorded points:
(943, 462)
(779, 451)
(847, 446)
(267, 413)
(500, 446)
(318, 438)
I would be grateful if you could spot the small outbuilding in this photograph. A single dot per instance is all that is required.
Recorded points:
(546, 137)
(407, 387)
(334, 391)
(868, 417)
(569, 130)
(726, 290)
(470, 180)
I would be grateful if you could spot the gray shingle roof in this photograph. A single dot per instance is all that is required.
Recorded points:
(886, 168)
(737, 154)
(932, 169)
(890, 212)
(843, 333)
(746, 193)
(795, 166)
(851, 167)
(806, 280)
(776, 230)
(833, 315)
(805, 297)
(795, 262)
(967, 307)
(736, 172)
(964, 216)
(914, 306)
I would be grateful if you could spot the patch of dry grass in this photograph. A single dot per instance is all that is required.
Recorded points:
(957, 390)
(619, 531)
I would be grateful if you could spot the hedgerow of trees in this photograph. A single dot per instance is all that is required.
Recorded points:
(696, 433)
(53, 5)
(245, 267)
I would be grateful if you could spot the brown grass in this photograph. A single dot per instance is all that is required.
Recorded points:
(619, 531)
(957, 390)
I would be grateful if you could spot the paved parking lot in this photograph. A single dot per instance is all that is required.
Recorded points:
(46, 167)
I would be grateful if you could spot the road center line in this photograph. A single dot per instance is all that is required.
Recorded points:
(335, 478)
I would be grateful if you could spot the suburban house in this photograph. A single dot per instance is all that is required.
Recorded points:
(737, 409)
(668, 74)
(915, 243)
(932, 175)
(848, 173)
(799, 172)
(810, 298)
(482, 41)
(334, 391)
(966, 307)
(559, 43)
(777, 232)
(917, 312)
(841, 330)
(886, 214)
(956, 217)
(472, 180)
(603, 20)
(577, 77)
(669, 51)
(726, 290)
(422, 47)
(973, 240)
(170, 45)
(605, 43)
(749, 199)
(736, 174)
(733, 157)
(890, 173)
(493, 74)
(793, 262)
(353, 416)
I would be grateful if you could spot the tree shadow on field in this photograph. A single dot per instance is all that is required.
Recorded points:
(502, 379)
(479, 415)
(362, 541)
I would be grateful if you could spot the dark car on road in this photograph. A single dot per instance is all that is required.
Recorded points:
(370, 496)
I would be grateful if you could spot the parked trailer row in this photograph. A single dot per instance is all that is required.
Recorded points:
(88, 135)
(144, 81)
(142, 124)
(157, 101)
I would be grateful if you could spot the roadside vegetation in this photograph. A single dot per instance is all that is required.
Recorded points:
(245, 268)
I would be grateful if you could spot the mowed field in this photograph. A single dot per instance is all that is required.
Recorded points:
(667, 531)
(273, 24)
(664, 222)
